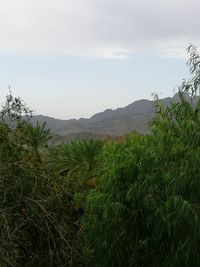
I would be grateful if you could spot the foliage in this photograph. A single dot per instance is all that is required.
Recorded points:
(132, 201)
(145, 210)
(14, 110)
(37, 137)
(77, 161)
(36, 222)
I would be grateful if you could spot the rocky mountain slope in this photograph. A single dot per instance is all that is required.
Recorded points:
(134, 117)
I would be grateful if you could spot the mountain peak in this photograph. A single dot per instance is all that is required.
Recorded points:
(117, 122)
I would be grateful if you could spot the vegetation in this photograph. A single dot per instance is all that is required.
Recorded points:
(133, 202)
(145, 211)
(36, 218)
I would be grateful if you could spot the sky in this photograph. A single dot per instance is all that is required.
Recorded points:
(73, 58)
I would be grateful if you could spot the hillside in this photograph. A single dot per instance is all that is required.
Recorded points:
(134, 117)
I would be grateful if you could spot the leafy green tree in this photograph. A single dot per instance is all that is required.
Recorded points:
(145, 209)
(36, 223)
(77, 161)
(37, 137)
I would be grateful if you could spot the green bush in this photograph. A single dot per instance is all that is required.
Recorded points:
(36, 223)
(145, 210)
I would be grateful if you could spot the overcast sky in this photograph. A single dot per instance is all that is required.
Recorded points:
(73, 58)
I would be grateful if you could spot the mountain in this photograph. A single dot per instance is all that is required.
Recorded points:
(134, 117)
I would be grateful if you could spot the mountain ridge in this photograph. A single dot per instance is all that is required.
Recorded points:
(133, 117)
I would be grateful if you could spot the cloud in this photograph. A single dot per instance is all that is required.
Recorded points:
(98, 28)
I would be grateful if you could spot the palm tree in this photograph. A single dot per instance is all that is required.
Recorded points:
(77, 160)
(38, 137)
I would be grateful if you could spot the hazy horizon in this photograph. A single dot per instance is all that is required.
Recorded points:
(74, 59)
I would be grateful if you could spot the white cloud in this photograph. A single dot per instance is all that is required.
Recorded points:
(105, 28)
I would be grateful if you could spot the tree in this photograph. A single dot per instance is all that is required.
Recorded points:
(145, 210)
(36, 227)
(37, 137)
(77, 161)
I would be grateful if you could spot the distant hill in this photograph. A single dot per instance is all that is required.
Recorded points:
(134, 117)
